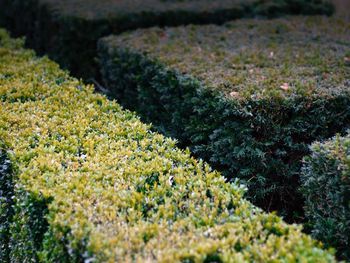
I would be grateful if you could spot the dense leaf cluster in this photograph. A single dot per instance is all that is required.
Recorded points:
(69, 29)
(326, 188)
(6, 203)
(248, 96)
(94, 184)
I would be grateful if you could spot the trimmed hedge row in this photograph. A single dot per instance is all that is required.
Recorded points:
(326, 188)
(248, 96)
(94, 184)
(68, 30)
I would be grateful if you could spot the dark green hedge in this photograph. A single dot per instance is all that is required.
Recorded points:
(90, 183)
(326, 188)
(6, 203)
(69, 30)
(249, 96)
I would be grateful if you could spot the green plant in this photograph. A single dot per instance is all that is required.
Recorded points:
(248, 96)
(92, 183)
(326, 188)
(6, 203)
(68, 30)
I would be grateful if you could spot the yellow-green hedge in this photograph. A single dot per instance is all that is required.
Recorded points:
(92, 183)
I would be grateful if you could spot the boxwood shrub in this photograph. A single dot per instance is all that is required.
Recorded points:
(83, 180)
(69, 29)
(326, 188)
(248, 96)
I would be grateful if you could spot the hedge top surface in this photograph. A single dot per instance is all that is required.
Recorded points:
(336, 148)
(106, 9)
(95, 9)
(126, 193)
(281, 57)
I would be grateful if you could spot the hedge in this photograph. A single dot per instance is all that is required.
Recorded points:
(326, 188)
(248, 96)
(88, 182)
(6, 203)
(68, 30)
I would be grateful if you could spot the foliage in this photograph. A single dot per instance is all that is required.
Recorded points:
(68, 30)
(94, 184)
(93, 9)
(326, 188)
(248, 96)
(6, 203)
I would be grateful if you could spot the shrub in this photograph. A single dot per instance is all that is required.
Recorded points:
(69, 30)
(326, 188)
(6, 203)
(248, 96)
(94, 184)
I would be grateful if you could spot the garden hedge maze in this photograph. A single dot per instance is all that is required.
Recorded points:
(256, 93)
(108, 189)
(68, 30)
